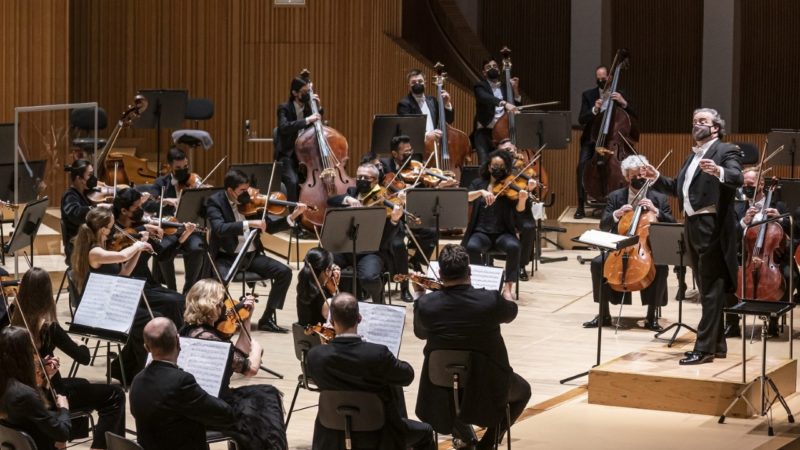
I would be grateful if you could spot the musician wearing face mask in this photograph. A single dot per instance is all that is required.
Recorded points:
(293, 117)
(491, 104)
(416, 102)
(621, 202)
(370, 266)
(591, 106)
(75, 204)
(706, 187)
(527, 226)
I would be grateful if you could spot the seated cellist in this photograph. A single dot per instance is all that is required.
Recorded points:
(619, 203)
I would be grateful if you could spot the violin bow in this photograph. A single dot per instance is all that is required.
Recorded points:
(228, 293)
(400, 169)
(128, 235)
(203, 181)
(419, 249)
(533, 160)
(424, 166)
(35, 349)
(269, 187)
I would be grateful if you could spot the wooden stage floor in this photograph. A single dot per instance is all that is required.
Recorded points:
(547, 343)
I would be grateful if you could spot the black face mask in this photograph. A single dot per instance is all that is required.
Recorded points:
(182, 175)
(305, 98)
(418, 89)
(363, 186)
(137, 215)
(493, 74)
(749, 191)
(601, 83)
(499, 174)
(638, 183)
(91, 183)
(243, 198)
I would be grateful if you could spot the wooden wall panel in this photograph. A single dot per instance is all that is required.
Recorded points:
(665, 39)
(769, 64)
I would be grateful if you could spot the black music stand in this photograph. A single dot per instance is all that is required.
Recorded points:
(27, 227)
(192, 207)
(668, 246)
(788, 192)
(166, 108)
(385, 127)
(439, 209)
(353, 230)
(468, 173)
(259, 175)
(789, 139)
(765, 311)
(30, 176)
(608, 242)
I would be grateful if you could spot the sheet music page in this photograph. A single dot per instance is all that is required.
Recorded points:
(486, 277)
(109, 302)
(206, 360)
(602, 238)
(382, 324)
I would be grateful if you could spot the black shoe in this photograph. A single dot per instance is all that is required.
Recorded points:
(523, 275)
(720, 355)
(405, 295)
(695, 358)
(270, 326)
(652, 324)
(579, 213)
(594, 322)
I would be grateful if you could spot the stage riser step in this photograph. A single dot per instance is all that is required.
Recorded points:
(574, 227)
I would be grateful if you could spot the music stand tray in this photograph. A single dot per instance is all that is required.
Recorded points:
(789, 139)
(166, 108)
(259, 174)
(192, 207)
(385, 127)
(28, 181)
(27, 227)
(535, 129)
(439, 209)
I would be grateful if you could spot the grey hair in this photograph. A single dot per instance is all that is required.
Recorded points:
(372, 169)
(716, 119)
(633, 162)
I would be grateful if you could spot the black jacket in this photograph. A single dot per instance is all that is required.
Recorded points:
(172, 411)
(26, 412)
(289, 126)
(486, 102)
(586, 117)
(225, 230)
(706, 190)
(164, 181)
(506, 208)
(74, 207)
(409, 105)
(464, 318)
(619, 198)
(350, 364)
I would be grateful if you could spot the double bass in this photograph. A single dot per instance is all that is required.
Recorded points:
(110, 168)
(322, 154)
(506, 128)
(452, 149)
(612, 133)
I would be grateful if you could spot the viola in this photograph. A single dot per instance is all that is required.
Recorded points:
(426, 282)
(378, 196)
(326, 334)
(276, 204)
(235, 312)
(453, 149)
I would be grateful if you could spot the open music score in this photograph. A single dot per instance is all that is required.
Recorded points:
(486, 277)
(108, 303)
(610, 241)
(382, 324)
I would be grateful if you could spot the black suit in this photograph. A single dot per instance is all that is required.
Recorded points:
(349, 364)
(26, 412)
(74, 207)
(409, 105)
(464, 318)
(289, 126)
(653, 295)
(225, 231)
(485, 104)
(711, 252)
(172, 411)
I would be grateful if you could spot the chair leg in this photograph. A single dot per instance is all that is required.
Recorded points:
(291, 408)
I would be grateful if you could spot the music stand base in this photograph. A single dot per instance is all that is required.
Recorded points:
(674, 337)
(271, 372)
(582, 374)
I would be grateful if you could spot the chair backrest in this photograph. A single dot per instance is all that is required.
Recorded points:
(444, 364)
(199, 109)
(116, 442)
(83, 119)
(365, 410)
(303, 342)
(11, 439)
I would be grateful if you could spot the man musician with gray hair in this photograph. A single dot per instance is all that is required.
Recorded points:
(621, 202)
(706, 188)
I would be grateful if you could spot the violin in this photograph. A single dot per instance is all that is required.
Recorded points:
(9, 285)
(235, 312)
(194, 182)
(276, 204)
(332, 283)
(171, 226)
(426, 282)
(125, 237)
(378, 197)
(104, 193)
(512, 185)
(416, 171)
(326, 334)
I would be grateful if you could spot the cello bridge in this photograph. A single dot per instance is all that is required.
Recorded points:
(602, 151)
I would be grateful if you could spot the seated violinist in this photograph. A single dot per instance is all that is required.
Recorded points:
(527, 227)
(495, 219)
(75, 203)
(256, 406)
(370, 266)
(228, 227)
(620, 203)
(318, 272)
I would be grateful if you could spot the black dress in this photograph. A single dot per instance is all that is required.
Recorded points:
(259, 407)
(27, 412)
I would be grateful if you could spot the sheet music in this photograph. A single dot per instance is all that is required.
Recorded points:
(602, 238)
(486, 277)
(109, 302)
(206, 360)
(382, 324)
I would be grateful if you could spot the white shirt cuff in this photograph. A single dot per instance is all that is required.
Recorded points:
(245, 225)
(721, 174)
(289, 220)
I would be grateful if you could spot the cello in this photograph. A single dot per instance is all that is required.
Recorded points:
(454, 147)
(322, 154)
(506, 128)
(610, 131)
(111, 169)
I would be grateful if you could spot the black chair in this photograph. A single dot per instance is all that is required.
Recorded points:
(748, 153)
(12, 439)
(199, 109)
(451, 369)
(82, 120)
(347, 274)
(488, 260)
(350, 411)
(302, 344)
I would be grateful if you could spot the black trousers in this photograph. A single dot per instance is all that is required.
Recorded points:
(527, 235)
(267, 268)
(482, 141)
(107, 399)
(419, 435)
(479, 243)
(289, 177)
(519, 392)
(708, 261)
(426, 238)
(587, 151)
(398, 254)
(655, 294)
(193, 251)
(370, 269)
